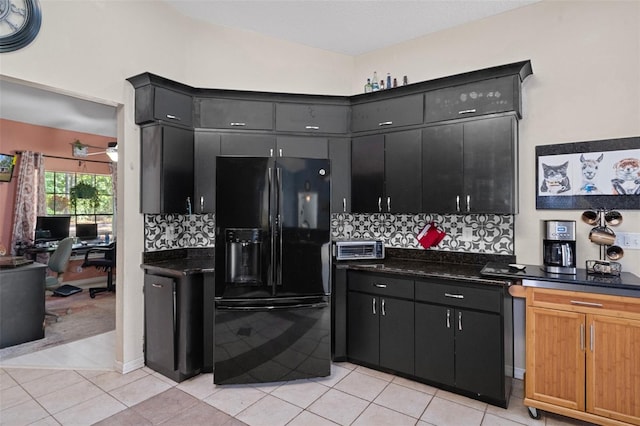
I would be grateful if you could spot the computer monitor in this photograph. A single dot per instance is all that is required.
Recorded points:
(87, 231)
(52, 228)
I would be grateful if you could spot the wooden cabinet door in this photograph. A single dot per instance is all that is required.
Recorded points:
(613, 368)
(556, 357)
(340, 156)
(249, 145)
(434, 343)
(442, 169)
(367, 174)
(397, 334)
(490, 166)
(235, 114)
(479, 353)
(312, 118)
(206, 146)
(363, 329)
(403, 172)
(160, 323)
(302, 147)
(387, 113)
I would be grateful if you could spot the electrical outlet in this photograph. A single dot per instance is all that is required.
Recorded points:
(467, 233)
(628, 240)
(170, 232)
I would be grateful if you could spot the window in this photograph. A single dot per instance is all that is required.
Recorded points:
(98, 208)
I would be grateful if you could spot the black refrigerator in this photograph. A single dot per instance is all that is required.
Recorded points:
(273, 266)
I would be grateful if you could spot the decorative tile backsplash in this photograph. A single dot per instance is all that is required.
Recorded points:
(476, 233)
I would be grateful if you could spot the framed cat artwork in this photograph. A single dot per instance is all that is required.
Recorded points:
(602, 174)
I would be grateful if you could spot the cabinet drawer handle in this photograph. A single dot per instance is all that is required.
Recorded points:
(385, 123)
(238, 124)
(173, 117)
(157, 285)
(467, 111)
(312, 127)
(581, 303)
(380, 285)
(454, 296)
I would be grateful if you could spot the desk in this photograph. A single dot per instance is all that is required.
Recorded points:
(78, 249)
(22, 304)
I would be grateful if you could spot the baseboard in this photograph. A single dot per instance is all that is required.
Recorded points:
(130, 366)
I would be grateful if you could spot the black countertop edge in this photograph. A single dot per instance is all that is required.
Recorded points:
(450, 257)
(179, 261)
(534, 276)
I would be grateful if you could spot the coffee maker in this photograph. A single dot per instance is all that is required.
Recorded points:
(559, 246)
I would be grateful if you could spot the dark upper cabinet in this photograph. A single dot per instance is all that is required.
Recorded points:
(206, 148)
(167, 169)
(340, 156)
(158, 103)
(472, 99)
(234, 114)
(470, 167)
(387, 113)
(252, 145)
(302, 147)
(386, 173)
(312, 118)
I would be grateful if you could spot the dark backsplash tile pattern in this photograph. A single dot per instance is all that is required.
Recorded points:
(489, 233)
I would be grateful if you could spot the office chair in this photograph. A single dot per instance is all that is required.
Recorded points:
(58, 264)
(105, 263)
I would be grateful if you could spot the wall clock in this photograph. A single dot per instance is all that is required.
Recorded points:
(19, 23)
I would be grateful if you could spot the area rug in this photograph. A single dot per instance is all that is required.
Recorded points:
(80, 317)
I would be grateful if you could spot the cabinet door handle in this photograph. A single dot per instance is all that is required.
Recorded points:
(380, 285)
(201, 203)
(385, 123)
(384, 313)
(457, 203)
(454, 296)
(582, 337)
(156, 285)
(237, 124)
(373, 303)
(280, 152)
(468, 202)
(379, 204)
(173, 117)
(312, 127)
(581, 303)
(467, 111)
(344, 205)
(460, 320)
(592, 337)
(448, 318)
(388, 204)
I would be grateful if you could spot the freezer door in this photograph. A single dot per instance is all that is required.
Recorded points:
(243, 227)
(302, 227)
(272, 342)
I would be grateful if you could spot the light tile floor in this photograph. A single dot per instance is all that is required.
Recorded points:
(32, 393)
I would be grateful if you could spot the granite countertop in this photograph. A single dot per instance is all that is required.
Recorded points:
(179, 262)
(627, 284)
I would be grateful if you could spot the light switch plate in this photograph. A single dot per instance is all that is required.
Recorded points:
(628, 240)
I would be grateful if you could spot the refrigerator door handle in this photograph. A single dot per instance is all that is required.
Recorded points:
(272, 237)
(279, 225)
(267, 308)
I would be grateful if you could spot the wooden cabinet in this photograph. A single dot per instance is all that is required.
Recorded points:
(478, 98)
(380, 321)
(470, 167)
(386, 173)
(387, 113)
(158, 103)
(167, 169)
(302, 146)
(237, 114)
(340, 156)
(206, 148)
(583, 355)
(312, 118)
(462, 338)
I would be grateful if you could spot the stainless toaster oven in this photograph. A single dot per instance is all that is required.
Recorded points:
(359, 249)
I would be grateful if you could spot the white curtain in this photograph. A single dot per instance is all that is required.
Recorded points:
(30, 199)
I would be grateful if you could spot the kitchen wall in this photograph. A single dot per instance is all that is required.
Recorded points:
(586, 85)
(488, 233)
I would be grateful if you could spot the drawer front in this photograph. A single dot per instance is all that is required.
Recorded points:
(235, 114)
(381, 284)
(460, 295)
(388, 113)
(469, 100)
(312, 118)
(584, 302)
(173, 106)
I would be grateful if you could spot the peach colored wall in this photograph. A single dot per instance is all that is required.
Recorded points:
(17, 136)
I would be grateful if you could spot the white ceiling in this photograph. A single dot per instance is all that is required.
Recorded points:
(350, 27)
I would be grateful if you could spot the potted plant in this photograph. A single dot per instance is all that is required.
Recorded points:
(84, 191)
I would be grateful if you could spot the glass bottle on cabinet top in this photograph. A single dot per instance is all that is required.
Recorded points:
(374, 84)
(367, 87)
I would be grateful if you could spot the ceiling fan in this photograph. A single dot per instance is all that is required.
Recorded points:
(83, 151)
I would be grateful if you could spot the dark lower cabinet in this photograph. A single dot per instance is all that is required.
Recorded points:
(173, 326)
(459, 348)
